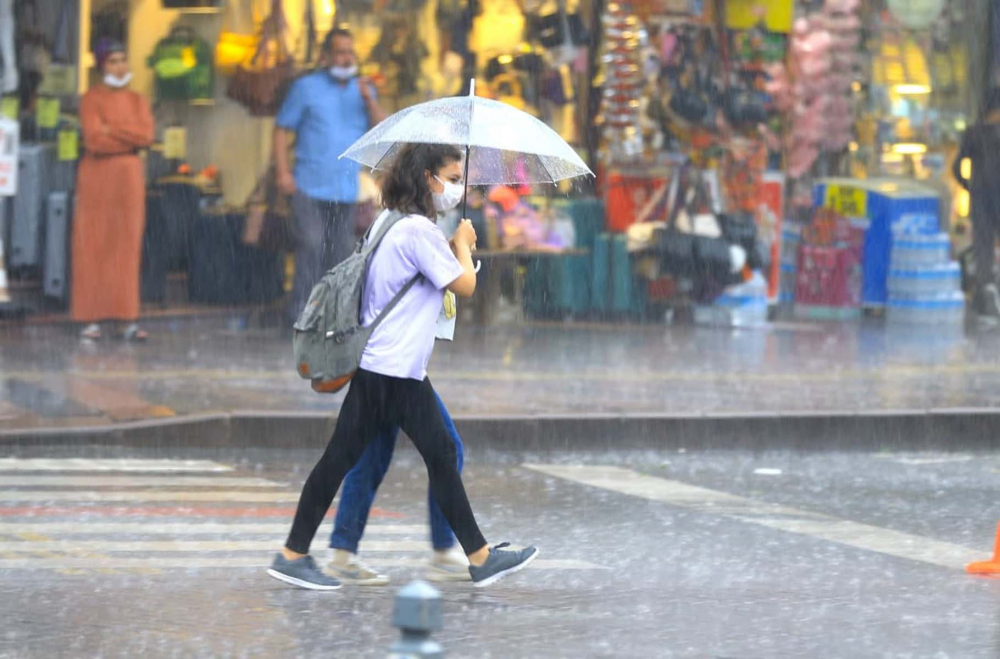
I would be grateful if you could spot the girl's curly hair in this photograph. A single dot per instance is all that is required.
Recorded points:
(404, 185)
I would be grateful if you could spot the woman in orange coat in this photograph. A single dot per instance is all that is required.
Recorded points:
(110, 200)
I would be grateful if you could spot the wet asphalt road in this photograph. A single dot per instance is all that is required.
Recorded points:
(644, 553)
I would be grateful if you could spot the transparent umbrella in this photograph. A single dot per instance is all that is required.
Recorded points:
(503, 144)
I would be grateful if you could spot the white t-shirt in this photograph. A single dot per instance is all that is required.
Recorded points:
(402, 344)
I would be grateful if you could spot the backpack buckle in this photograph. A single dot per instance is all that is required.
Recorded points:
(340, 337)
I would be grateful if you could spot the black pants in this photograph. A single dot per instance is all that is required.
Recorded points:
(985, 221)
(375, 403)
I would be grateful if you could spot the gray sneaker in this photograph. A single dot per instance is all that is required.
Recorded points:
(348, 569)
(501, 563)
(301, 572)
(451, 565)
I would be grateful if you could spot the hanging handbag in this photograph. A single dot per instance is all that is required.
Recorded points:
(238, 39)
(260, 84)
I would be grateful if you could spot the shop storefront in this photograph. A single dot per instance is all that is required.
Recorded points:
(213, 142)
(749, 152)
(787, 151)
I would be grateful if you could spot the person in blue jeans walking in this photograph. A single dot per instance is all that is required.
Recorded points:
(356, 498)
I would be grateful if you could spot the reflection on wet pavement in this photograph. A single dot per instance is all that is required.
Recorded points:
(48, 378)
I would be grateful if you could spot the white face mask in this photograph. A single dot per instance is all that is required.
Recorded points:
(115, 81)
(452, 195)
(344, 72)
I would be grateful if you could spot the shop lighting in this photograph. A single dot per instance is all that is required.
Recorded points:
(892, 157)
(966, 168)
(962, 203)
(912, 89)
(856, 86)
(328, 7)
(909, 148)
(505, 59)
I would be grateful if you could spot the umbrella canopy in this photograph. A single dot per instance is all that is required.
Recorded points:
(504, 144)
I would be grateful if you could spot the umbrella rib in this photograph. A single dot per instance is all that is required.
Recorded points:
(547, 172)
(379, 162)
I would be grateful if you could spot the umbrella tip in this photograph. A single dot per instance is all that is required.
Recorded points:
(472, 87)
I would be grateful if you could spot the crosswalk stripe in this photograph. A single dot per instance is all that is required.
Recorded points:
(120, 480)
(152, 527)
(920, 461)
(774, 516)
(125, 546)
(229, 562)
(144, 495)
(105, 464)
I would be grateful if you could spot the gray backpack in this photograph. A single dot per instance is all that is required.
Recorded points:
(329, 339)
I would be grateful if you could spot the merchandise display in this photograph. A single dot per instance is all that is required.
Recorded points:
(623, 84)
(182, 66)
(260, 83)
(828, 272)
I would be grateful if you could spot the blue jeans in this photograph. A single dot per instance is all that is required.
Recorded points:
(358, 491)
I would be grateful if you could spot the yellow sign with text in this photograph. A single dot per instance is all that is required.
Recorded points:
(47, 111)
(69, 145)
(10, 107)
(59, 80)
(847, 200)
(745, 14)
(175, 143)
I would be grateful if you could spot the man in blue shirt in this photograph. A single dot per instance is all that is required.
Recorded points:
(325, 112)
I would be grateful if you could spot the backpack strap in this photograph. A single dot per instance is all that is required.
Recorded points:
(394, 301)
(391, 218)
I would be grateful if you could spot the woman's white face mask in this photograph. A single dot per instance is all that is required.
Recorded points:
(450, 197)
(117, 81)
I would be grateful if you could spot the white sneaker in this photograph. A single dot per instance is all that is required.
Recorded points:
(449, 565)
(348, 569)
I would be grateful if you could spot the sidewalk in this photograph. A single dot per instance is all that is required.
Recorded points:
(200, 365)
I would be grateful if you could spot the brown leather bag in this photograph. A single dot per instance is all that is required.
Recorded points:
(260, 85)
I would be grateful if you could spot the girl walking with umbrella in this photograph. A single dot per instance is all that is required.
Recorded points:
(391, 388)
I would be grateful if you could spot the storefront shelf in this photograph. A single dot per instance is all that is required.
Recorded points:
(200, 11)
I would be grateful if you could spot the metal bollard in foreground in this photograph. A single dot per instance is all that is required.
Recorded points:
(417, 613)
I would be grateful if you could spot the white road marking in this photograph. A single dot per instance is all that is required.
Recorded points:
(99, 464)
(138, 496)
(153, 527)
(224, 562)
(775, 516)
(125, 546)
(927, 459)
(125, 480)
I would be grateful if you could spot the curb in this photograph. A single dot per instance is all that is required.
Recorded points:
(909, 430)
